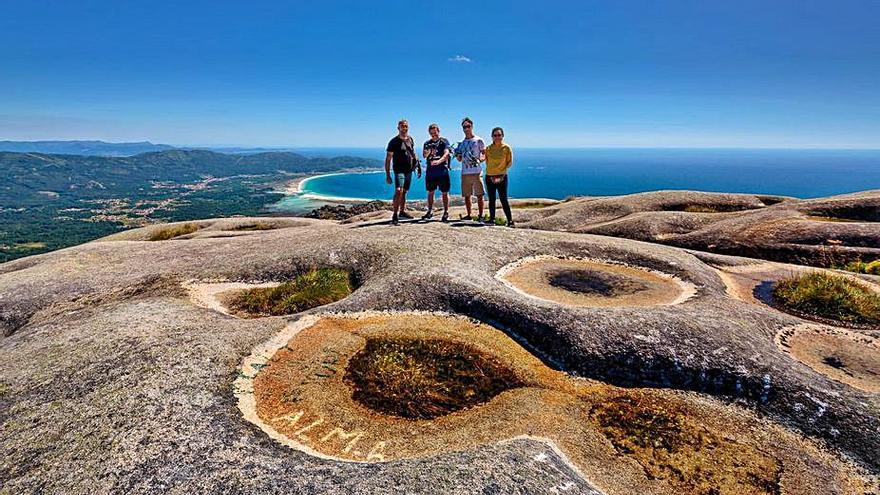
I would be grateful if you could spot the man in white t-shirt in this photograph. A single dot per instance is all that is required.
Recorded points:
(471, 152)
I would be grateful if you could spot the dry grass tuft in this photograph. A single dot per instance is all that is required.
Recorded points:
(175, 231)
(424, 379)
(523, 205)
(255, 226)
(699, 209)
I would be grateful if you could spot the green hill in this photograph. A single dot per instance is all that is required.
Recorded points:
(31, 176)
(50, 201)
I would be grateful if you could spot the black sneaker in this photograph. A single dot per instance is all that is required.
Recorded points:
(510, 224)
(428, 216)
(489, 221)
(394, 220)
(404, 214)
(466, 218)
(445, 217)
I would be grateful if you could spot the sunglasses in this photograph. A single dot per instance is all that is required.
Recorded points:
(466, 126)
(497, 135)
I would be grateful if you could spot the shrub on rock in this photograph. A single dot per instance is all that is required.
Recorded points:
(314, 288)
(829, 296)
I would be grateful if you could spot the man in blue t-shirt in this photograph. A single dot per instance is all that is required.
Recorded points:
(437, 156)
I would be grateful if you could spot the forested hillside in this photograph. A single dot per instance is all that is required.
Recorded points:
(51, 201)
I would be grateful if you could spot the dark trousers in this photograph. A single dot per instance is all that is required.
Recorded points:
(501, 189)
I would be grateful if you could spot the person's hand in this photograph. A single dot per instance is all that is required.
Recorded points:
(420, 173)
(435, 163)
(388, 179)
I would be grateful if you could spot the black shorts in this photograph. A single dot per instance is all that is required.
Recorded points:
(433, 183)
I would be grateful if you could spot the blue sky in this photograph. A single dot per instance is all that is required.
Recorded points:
(615, 73)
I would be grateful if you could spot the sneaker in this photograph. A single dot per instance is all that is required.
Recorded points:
(489, 221)
(404, 214)
(466, 218)
(394, 220)
(445, 217)
(510, 224)
(428, 216)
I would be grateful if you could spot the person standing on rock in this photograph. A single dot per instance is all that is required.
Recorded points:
(471, 152)
(437, 158)
(401, 152)
(499, 158)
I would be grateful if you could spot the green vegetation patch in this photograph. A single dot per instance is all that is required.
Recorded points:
(315, 288)
(172, 232)
(497, 221)
(829, 296)
(872, 268)
(689, 455)
(425, 379)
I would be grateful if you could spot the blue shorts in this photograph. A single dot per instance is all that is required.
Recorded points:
(402, 180)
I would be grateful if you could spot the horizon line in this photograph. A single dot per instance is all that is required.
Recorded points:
(564, 147)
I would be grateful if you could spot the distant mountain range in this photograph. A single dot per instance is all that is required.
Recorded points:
(103, 148)
(91, 148)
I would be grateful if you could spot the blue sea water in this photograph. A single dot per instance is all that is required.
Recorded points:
(559, 173)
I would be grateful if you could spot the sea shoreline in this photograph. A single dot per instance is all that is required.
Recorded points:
(296, 187)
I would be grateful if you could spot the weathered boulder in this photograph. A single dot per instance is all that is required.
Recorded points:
(822, 232)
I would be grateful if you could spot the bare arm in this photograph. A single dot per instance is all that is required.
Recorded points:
(442, 158)
(388, 156)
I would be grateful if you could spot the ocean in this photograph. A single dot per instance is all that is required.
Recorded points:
(559, 173)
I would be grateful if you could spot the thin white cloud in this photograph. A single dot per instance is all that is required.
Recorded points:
(460, 59)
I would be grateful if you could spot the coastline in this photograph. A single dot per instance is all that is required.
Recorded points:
(296, 187)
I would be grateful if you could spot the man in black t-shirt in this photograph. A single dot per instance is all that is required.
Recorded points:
(401, 152)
